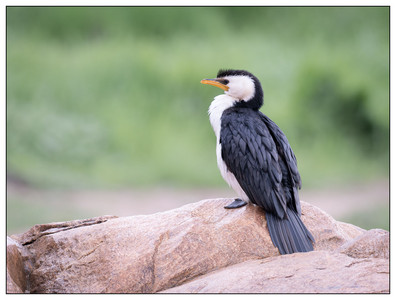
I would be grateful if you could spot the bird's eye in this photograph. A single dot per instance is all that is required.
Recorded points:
(224, 81)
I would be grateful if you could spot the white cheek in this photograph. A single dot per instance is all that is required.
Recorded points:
(241, 88)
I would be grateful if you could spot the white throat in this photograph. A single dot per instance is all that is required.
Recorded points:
(216, 109)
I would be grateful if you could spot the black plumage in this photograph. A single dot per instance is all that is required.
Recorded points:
(258, 154)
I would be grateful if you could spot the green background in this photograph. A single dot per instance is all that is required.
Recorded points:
(110, 97)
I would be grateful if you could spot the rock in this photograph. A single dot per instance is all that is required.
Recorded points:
(16, 277)
(315, 272)
(373, 243)
(152, 253)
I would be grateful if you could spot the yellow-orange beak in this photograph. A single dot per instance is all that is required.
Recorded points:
(215, 82)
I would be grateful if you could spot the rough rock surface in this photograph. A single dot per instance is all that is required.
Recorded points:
(316, 272)
(16, 277)
(372, 243)
(199, 247)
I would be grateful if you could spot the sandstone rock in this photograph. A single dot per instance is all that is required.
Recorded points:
(152, 253)
(315, 272)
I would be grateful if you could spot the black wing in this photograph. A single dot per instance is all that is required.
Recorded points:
(257, 152)
(288, 159)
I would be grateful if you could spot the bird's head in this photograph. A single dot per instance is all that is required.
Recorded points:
(241, 85)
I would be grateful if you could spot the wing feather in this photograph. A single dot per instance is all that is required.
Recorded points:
(257, 152)
(289, 161)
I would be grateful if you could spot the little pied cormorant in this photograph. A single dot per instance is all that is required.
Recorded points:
(256, 160)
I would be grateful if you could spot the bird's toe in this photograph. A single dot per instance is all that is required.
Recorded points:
(236, 204)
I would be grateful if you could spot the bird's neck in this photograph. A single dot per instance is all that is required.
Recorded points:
(216, 109)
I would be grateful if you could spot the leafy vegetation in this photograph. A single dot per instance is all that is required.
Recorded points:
(110, 96)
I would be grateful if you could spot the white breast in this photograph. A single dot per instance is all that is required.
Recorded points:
(216, 109)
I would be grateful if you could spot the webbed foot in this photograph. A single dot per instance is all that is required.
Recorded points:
(236, 204)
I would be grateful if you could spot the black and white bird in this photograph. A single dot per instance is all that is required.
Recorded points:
(256, 160)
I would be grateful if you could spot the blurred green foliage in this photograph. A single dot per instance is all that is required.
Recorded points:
(376, 217)
(110, 96)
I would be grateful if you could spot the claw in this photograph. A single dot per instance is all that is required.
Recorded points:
(236, 204)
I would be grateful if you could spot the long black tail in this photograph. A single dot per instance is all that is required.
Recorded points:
(289, 235)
